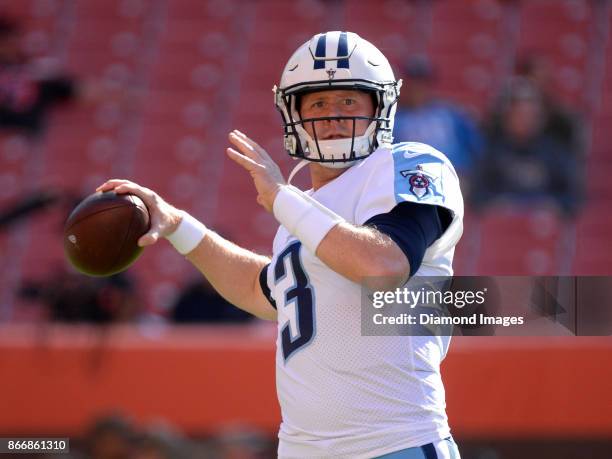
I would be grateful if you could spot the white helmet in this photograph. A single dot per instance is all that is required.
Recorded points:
(337, 60)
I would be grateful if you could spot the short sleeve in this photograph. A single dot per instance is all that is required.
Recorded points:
(413, 228)
(413, 172)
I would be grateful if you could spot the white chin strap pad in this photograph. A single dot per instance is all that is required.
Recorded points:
(334, 150)
(337, 148)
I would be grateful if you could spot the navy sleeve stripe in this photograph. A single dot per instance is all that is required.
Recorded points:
(263, 283)
(413, 227)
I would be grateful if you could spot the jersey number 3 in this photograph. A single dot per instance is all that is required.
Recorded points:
(298, 302)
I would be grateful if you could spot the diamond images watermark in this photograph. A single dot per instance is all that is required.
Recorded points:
(486, 306)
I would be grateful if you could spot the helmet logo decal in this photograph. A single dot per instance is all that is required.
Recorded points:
(320, 53)
(343, 51)
(331, 73)
(342, 54)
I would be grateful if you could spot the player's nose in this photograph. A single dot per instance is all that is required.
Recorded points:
(334, 110)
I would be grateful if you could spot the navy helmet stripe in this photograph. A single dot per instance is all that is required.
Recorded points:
(343, 51)
(320, 52)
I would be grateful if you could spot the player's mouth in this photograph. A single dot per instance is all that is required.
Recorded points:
(333, 137)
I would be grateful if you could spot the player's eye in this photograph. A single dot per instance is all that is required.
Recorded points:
(349, 101)
(317, 104)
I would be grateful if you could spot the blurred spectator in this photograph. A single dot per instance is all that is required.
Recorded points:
(161, 442)
(243, 442)
(72, 297)
(27, 91)
(28, 205)
(200, 302)
(524, 161)
(116, 437)
(30, 87)
(561, 123)
(423, 118)
(111, 437)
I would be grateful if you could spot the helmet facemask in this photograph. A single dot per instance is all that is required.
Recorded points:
(337, 61)
(336, 153)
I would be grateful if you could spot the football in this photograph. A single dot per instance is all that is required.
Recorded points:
(101, 234)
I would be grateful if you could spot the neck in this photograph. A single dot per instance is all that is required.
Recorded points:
(321, 175)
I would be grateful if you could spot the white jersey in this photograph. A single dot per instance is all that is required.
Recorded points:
(344, 395)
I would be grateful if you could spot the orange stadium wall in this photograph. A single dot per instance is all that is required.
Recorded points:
(56, 379)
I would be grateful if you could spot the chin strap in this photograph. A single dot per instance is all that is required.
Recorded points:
(296, 169)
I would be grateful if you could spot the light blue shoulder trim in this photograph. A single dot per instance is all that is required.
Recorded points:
(419, 172)
(415, 149)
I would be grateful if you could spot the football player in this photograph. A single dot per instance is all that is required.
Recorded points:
(377, 214)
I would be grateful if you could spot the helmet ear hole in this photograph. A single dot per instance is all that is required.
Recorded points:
(298, 105)
(375, 103)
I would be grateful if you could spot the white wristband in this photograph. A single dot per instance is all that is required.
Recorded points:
(303, 216)
(188, 235)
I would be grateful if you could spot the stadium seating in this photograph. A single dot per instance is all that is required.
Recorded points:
(197, 69)
(520, 242)
(469, 53)
(563, 31)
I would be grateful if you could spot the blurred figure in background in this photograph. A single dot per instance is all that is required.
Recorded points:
(561, 123)
(27, 89)
(30, 88)
(524, 161)
(162, 442)
(72, 297)
(421, 117)
(200, 302)
(115, 436)
(29, 205)
(111, 437)
(243, 442)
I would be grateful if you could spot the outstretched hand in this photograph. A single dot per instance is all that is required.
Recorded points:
(265, 172)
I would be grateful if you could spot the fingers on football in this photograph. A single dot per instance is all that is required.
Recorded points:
(150, 238)
(160, 225)
(143, 193)
(111, 184)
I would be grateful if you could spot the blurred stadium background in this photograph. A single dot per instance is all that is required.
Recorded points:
(194, 69)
